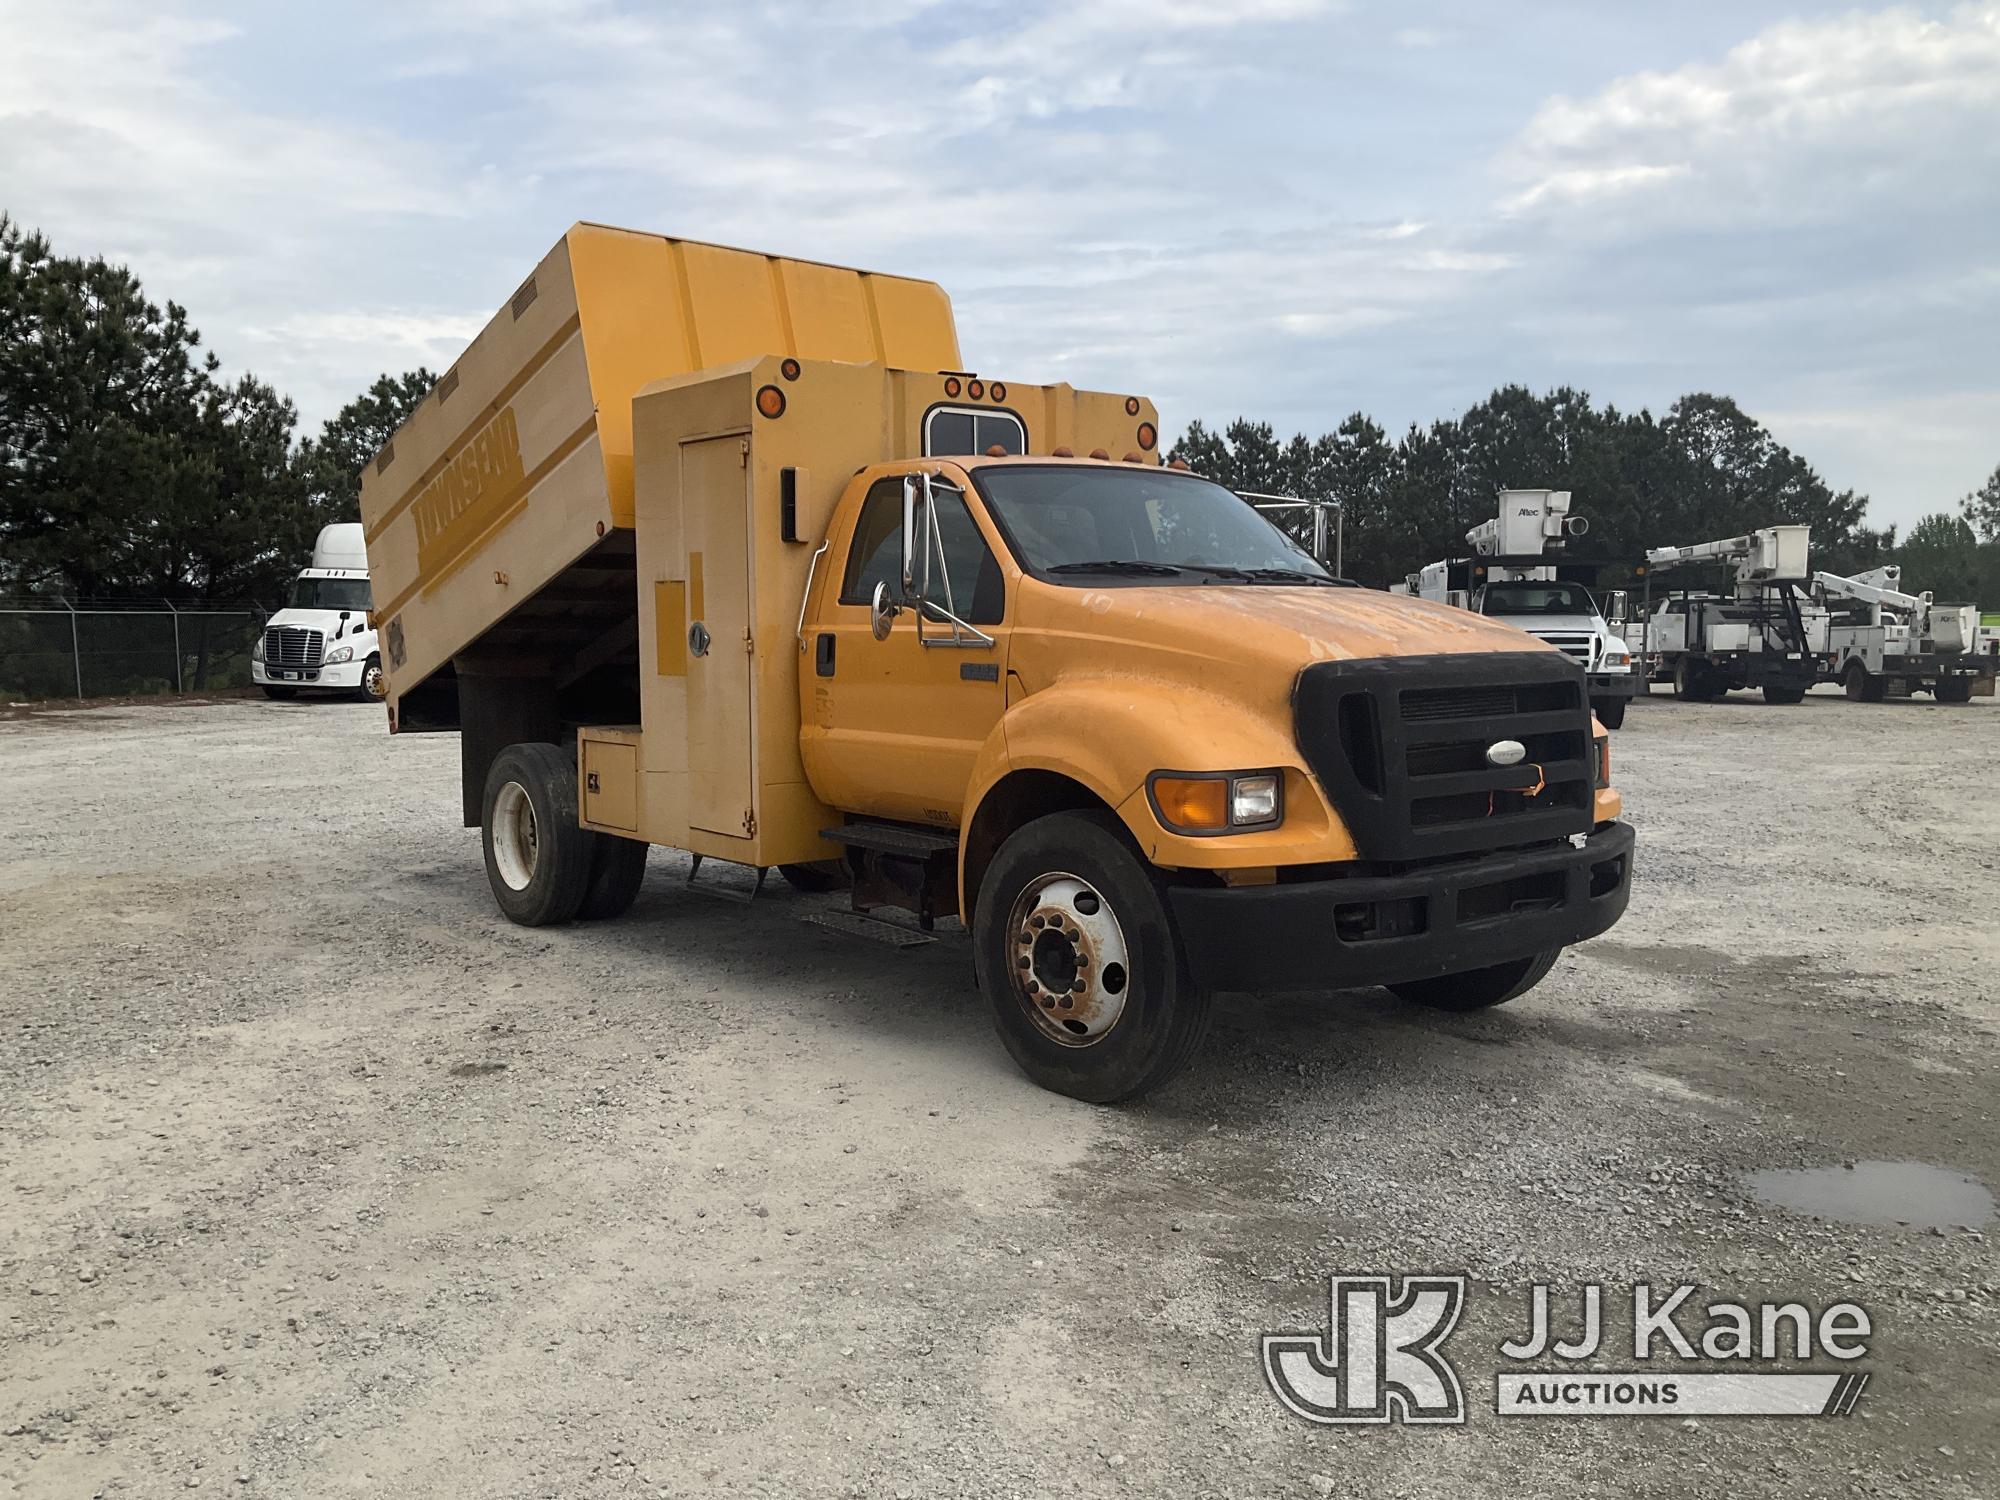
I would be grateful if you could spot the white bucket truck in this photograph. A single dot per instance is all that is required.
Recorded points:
(321, 641)
(1516, 574)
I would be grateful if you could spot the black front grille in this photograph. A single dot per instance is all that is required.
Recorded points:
(293, 646)
(1400, 744)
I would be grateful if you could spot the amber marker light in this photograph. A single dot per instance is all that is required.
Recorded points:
(976, 389)
(1148, 435)
(770, 401)
(1131, 406)
(999, 391)
(789, 369)
(951, 385)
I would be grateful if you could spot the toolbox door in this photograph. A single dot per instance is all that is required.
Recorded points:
(715, 511)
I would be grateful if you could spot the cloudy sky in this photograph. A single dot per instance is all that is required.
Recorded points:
(1287, 208)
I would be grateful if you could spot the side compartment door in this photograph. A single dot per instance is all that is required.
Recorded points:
(715, 512)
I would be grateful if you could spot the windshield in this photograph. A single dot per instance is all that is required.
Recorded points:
(1538, 599)
(331, 593)
(1085, 526)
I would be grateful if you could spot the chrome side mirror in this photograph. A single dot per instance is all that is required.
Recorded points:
(882, 611)
(1617, 606)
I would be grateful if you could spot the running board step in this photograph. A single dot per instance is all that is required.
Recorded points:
(893, 839)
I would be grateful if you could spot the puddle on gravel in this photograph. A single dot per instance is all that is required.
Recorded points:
(1878, 1192)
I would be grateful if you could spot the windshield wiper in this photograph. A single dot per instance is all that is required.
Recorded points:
(1119, 565)
(1228, 574)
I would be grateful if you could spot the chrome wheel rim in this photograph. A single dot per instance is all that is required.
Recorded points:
(373, 683)
(1067, 959)
(515, 843)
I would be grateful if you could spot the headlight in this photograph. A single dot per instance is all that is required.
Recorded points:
(1617, 656)
(338, 655)
(1214, 802)
(257, 647)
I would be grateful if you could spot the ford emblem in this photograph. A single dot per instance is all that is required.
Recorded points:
(1506, 753)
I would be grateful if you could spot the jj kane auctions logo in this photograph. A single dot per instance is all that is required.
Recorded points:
(1381, 1357)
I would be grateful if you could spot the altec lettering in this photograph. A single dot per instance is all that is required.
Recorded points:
(469, 493)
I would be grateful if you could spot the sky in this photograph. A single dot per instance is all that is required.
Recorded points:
(1287, 209)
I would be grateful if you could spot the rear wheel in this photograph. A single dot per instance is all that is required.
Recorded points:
(1861, 685)
(1954, 690)
(1610, 711)
(617, 870)
(1695, 682)
(1476, 989)
(274, 690)
(1078, 957)
(538, 857)
(1780, 693)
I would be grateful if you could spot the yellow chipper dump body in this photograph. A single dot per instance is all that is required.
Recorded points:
(595, 478)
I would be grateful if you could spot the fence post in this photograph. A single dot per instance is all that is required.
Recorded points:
(75, 645)
(177, 646)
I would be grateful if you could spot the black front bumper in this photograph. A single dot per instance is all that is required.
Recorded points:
(1441, 918)
(1613, 685)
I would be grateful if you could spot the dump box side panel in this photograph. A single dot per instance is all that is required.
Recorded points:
(503, 477)
(494, 484)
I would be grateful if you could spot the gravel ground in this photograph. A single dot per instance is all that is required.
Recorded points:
(319, 1178)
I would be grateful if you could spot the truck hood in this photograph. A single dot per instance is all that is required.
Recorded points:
(1238, 641)
(1553, 624)
(326, 620)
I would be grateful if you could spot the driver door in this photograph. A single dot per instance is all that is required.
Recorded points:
(894, 725)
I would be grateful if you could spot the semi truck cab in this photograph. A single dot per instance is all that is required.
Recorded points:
(965, 647)
(323, 639)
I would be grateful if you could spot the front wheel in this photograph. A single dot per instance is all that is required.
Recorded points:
(1610, 711)
(1779, 693)
(1078, 957)
(1476, 989)
(374, 684)
(1861, 685)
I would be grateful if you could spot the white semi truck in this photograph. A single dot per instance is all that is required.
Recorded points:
(1756, 635)
(1883, 642)
(1516, 574)
(322, 640)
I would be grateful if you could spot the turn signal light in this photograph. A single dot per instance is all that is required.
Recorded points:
(1148, 435)
(771, 401)
(1217, 802)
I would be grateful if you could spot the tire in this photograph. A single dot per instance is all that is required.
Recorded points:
(277, 691)
(374, 687)
(538, 857)
(815, 879)
(1954, 690)
(1070, 898)
(1861, 685)
(617, 870)
(1694, 681)
(1478, 989)
(1610, 711)
(1777, 693)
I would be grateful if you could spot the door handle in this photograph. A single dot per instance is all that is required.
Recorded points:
(697, 639)
(823, 653)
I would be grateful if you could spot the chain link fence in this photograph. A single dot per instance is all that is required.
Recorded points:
(76, 649)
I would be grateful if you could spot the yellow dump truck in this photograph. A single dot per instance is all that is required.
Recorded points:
(726, 552)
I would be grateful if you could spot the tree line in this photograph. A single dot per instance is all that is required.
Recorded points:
(1703, 470)
(130, 468)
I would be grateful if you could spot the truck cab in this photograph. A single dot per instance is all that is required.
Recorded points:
(323, 640)
(961, 646)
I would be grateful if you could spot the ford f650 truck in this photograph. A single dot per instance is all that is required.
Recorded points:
(726, 552)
